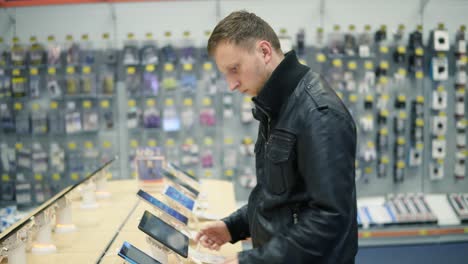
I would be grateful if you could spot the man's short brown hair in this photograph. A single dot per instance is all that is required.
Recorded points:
(242, 28)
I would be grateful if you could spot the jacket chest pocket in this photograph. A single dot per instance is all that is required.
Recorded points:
(278, 163)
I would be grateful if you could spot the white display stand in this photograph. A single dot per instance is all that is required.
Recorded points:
(15, 248)
(43, 243)
(159, 252)
(101, 186)
(63, 213)
(88, 196)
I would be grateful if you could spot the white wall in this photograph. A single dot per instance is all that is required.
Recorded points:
(201, 15)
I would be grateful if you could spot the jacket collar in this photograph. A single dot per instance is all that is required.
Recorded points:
(282, 82)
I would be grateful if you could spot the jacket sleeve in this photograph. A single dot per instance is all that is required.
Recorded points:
(238, 224)
(326, 149)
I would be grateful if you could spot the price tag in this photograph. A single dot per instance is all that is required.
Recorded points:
(16, 72)
(131, 70)
(228, 141)
(170, 142)
(134, 174)
(420, 99)
(74, 176)
(70, 70)
(89, 145)
(419, 122)
(169, 67)
(106, 144)
(369, 65)
(352, 98)
(71, 145)
(133, 143)
(150, 102)
(34, 71)
(367, 234)
(383, 49)
(152, 143)
(208, 141)
(18, 106)
(53, 105)
(87, 104)
(383, 80)
(86, 70)
(419, 75)
(56, 177)
(401, 72)
(150, 68)
(38, 177)
(385, 160)
(188, 66)
(208, 173)
(337, 63)
(189, 141)
(352, 65)
(131, 103)
(229, 173)
(401, 49)
(19, 146)
(420, 146)
(206, 101)
(51, 71)
(384, 65)
(401, 141)
(419, 51)
(321, 57)
(188, 102)
(169, 102)
(401, 164)
(368, 170)
(207, 66)
(5, 177)
(104, 104)
(384, 113)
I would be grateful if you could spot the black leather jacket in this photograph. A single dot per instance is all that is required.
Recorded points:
(303, 209)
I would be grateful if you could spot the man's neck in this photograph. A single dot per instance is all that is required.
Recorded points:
(276, 59)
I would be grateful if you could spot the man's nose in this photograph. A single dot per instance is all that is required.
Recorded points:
(233, 85)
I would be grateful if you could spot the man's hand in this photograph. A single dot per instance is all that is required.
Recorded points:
(213, 235)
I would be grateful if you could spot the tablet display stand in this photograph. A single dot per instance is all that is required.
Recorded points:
(63, 216)
(88, 196)
(101, 185)
(160, 252)
(14, 247)
(43, 243)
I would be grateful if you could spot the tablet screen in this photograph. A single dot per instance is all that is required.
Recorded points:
(179, 197)
(135, 256)
(162, 206)
(164, 233)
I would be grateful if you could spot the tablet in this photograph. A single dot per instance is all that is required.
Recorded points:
(164, 234)
(162, 206)
(172, 165)
(180, 182)
(179, 197)
(133, 255)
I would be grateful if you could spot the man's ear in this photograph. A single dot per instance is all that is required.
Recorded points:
(266, 50)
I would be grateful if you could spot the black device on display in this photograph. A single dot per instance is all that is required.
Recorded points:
(178, 181)
(133, 255)
(164, 233)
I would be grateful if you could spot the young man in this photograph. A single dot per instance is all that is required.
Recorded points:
(303, 209)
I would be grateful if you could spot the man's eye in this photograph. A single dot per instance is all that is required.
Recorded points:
(234, 70)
